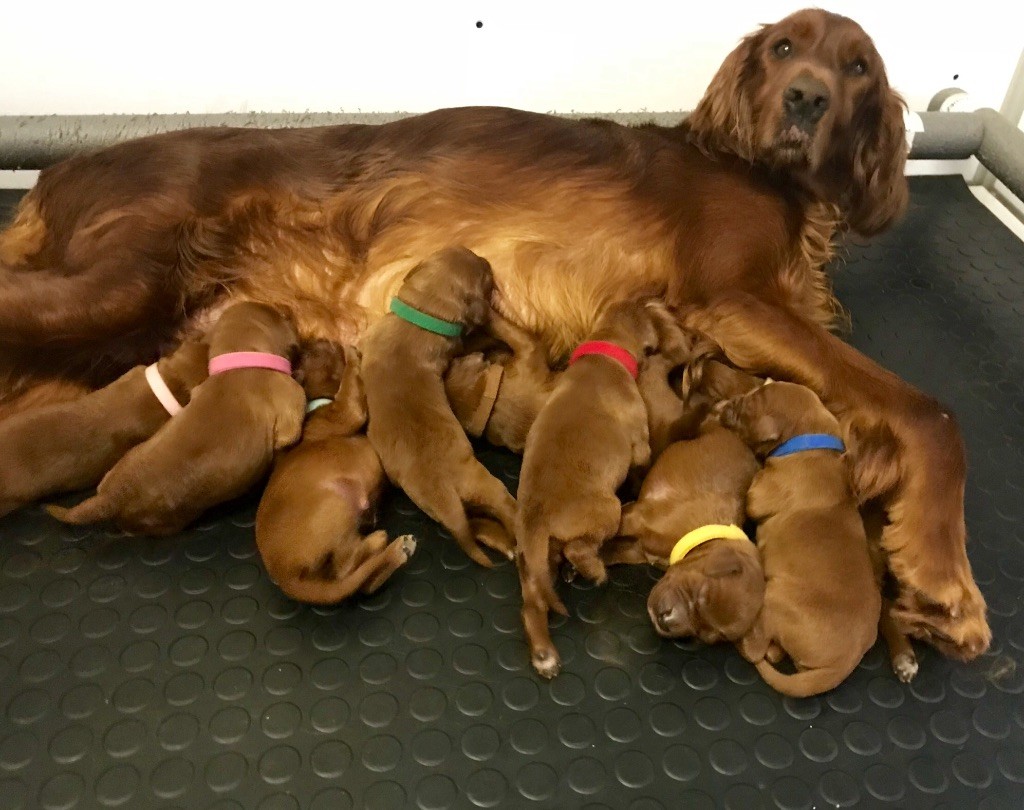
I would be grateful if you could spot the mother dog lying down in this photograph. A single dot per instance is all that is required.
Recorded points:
(730, 217)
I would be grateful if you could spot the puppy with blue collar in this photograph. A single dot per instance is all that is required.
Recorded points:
(822, 601)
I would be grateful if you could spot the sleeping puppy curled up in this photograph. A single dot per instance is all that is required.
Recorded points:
(323, 489)
(822, 602)
(411, 425)
(69, 446)
(221, 444)
(587, 438)
(688, 520)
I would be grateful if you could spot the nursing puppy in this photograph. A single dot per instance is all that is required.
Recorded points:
(70, 445)
(497, 393)
(591, 432)
(324, 490)
(667, 382)
(688, 520)
(421, 444)
(822, 602)
(219, 446)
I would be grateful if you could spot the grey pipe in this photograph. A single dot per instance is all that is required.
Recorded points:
(34, 142)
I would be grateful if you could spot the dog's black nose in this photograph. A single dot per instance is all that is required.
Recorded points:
(805, 100)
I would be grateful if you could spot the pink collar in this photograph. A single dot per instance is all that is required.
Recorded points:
(161, 391)
(233, 360)
(612, 350)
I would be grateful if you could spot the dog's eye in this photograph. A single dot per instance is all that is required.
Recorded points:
(782, 48)
(858, 67)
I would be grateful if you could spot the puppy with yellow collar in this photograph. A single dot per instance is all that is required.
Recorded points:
(687, 519)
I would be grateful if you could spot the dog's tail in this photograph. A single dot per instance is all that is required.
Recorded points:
(804, 683)
(535, 568)
(96, 509)
(90, 320)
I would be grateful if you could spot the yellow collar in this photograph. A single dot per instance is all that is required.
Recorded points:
(689, 541)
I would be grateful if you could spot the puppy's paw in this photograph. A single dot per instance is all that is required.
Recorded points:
(905, 667)
(547, 663)
(408, 545)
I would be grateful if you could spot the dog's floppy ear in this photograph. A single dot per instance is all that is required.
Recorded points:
(724, 564)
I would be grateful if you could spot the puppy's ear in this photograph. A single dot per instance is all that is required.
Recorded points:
(765, 429)
(724, 564)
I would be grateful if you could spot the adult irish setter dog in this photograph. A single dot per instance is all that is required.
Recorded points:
(730, 217)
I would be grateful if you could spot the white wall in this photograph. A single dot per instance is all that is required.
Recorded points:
(113, 56)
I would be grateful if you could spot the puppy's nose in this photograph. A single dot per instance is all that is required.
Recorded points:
(665, 618)
(805, 101)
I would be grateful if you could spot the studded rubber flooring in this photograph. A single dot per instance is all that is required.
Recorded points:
(171, 673)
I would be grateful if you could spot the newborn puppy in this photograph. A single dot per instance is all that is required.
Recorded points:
(588, 436)
(688, 520)
(673, 412)
(711, 381)
(421, 444)
(821, 603)
(324, 489)
(70, 445)
(497, 394)
(220, 445)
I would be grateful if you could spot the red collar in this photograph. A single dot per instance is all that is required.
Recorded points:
(612, 350)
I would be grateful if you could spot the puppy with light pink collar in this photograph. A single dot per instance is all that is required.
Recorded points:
(223, 441)
(70, 445)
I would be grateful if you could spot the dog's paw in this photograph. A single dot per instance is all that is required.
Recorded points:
(905, 667)
(547, 664)
(408, 545)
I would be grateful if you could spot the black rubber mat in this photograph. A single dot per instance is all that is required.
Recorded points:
(171, 673)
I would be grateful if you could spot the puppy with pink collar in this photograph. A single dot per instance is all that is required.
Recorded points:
(222, 442)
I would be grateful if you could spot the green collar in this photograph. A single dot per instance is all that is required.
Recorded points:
(423, 320)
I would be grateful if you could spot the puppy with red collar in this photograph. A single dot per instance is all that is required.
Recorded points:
(590, 434)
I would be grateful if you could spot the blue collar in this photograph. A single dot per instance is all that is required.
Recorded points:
(808, 441)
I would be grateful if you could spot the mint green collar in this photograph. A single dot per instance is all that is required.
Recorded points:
(423, 320)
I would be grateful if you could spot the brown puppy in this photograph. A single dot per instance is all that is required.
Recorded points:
(668, 379)
(219, 446)
(70, 445)
(586, 439)
(324, 489)
(497, 394)
(821, 603)
(711, 381)
(714, 591)
(411, 425)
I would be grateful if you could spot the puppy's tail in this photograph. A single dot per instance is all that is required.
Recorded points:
(804, 683)
(535, 565)
(96, 509)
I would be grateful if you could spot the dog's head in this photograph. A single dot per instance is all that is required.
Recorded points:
(453, 284)
(714, 593)
(809, 96)
(320, 366)
(253, 326)
(774, 412)
(630, 325)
